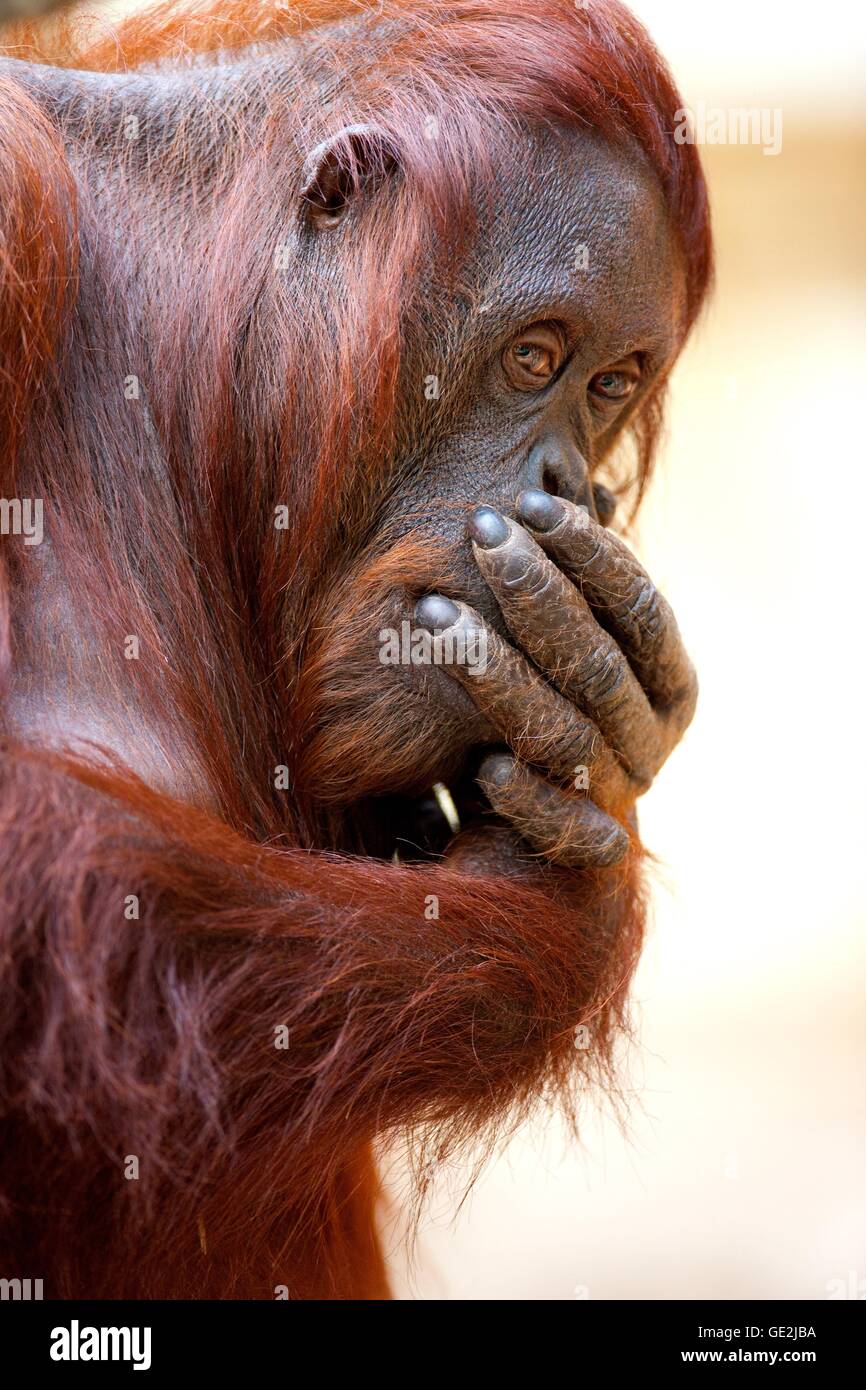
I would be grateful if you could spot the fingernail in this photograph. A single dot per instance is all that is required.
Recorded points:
(539, 510)
(435, 612)
(496, 769)
(487, 528)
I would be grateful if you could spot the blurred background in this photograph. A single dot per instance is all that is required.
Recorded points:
(740, 1172)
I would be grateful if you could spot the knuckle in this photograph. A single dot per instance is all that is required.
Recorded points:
(602, 680)
(592, 554)
(527, 575)
(686, 700)
(492, 666)
(644, 610)
(580, 746)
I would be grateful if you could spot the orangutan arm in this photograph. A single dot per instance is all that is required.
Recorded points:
(324, 998)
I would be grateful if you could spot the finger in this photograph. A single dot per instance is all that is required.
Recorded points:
(534, 719)
(562, 827)
(554, 625)
(622, 593)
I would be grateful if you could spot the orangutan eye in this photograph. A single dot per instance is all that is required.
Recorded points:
(613, 386)
(531, 360)
(536, 360)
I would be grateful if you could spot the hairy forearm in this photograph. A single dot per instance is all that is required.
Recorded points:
(328, 998)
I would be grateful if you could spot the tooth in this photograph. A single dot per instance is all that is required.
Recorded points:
(445, 802)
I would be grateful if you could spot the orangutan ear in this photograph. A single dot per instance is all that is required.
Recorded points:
(343, 168)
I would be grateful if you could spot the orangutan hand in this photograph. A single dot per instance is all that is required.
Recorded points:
(606, 693)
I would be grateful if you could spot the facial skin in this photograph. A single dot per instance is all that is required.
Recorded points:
(576, 316)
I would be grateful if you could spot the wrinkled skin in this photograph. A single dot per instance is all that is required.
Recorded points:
(587, 669)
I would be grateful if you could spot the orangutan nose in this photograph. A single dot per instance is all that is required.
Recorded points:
(559, 469)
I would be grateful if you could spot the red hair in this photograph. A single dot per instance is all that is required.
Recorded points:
(153, 1036)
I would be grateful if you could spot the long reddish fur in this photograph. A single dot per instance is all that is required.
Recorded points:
(155, 1037)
